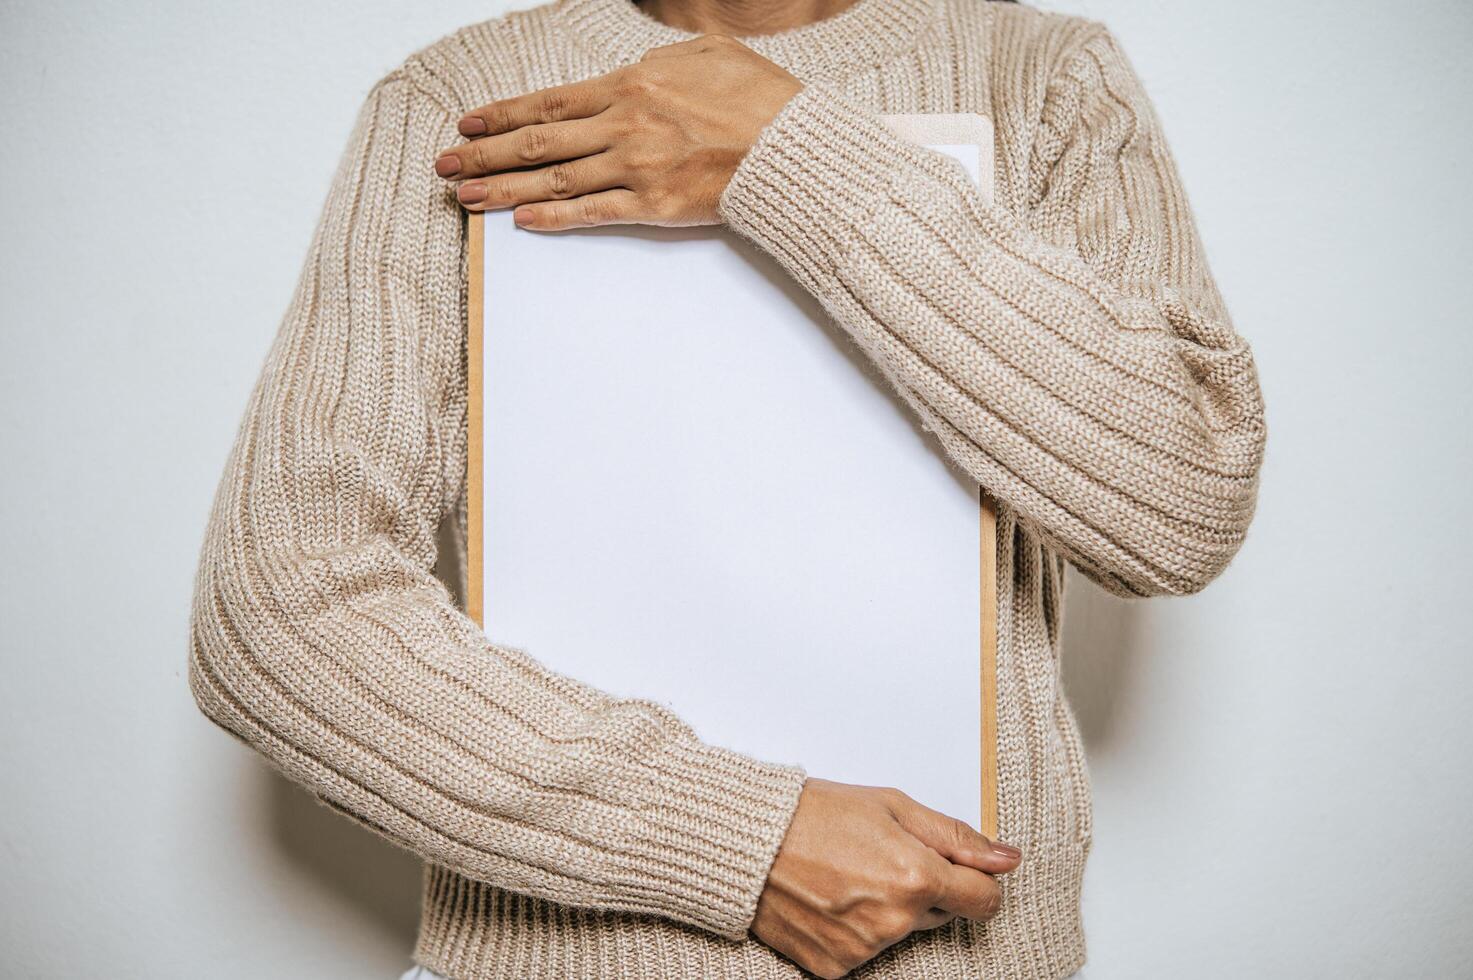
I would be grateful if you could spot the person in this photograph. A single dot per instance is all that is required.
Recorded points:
(1066, 344)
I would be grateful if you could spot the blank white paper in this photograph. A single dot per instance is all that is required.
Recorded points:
(697, 490)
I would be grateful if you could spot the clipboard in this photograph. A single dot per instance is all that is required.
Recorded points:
(515, 397)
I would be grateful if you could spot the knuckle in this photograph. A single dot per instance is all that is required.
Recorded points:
(833, 904)
(639, 162)
(498, 194)
(853, 954)
(498, 118)
(660, 203)
(640, 120)
(884, 928)
(626, 83)
(560, 180)
(895, 925)
(991, 901)
(532, 144)
(828, 968)
(552, 106)
(645, 79)
(888, 799)
(916, 881)
(592, 211)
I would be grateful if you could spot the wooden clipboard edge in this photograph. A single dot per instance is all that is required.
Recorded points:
(475, 489)
(968, 128)
(956, 127)
(987, 582)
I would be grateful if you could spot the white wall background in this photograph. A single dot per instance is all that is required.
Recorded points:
(1281, 764)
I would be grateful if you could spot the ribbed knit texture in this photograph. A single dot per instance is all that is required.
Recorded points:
(1066, 344)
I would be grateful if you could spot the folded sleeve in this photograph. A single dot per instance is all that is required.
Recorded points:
(321, 638)
(1071, 353)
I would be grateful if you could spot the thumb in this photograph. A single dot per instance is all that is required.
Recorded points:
(954, 839)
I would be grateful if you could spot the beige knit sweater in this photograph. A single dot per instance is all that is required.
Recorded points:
(1067, 345)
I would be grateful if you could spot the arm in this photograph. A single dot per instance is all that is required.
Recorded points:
(320, 637)
(1076, 360)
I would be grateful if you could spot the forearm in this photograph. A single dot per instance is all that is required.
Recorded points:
(1075, 361)
(321, 638)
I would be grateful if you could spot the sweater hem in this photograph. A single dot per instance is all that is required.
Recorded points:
(473, 930)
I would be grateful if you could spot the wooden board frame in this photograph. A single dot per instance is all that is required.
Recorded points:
(475, 524)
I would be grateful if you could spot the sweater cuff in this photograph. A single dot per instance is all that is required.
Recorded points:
(709, 834)
(816, 175)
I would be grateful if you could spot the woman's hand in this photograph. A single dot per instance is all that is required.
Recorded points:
(651, 143)
(862, 867)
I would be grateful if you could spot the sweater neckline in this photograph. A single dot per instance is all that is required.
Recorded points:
(864, 34)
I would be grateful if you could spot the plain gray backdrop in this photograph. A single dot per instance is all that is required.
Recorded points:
(1281, 764)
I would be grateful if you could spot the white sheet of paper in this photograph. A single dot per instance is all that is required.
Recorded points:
(697, 490)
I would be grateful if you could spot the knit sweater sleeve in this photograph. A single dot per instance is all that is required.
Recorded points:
(321, 638)
(1076, 358)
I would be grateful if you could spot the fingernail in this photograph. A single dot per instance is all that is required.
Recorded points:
(448, 165)
(522, 216)
(471, 193)
(472, 126)
(1007, 850)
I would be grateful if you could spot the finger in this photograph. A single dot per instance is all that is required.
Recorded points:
(574, 101)
(968, 893)
(525, 147)
(607, 208)
(955, 839)
(558, 181)
(933, 919)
